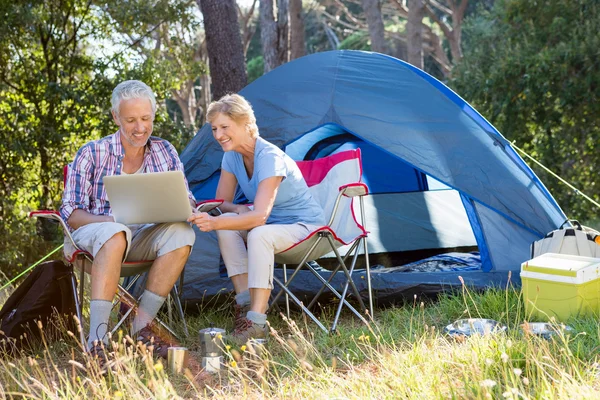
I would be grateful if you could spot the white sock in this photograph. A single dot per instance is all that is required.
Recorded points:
(149, 306)
(256, 317)
(99, 314)
(243, 299)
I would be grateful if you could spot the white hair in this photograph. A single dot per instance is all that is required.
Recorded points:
(127, 90)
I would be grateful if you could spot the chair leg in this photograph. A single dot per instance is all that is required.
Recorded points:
(299, 268)
(287, 296)
(299, 303)
(352, 285)
(77, 306)
(345, 291)
(368, 266)
(369, 288)
(169, 308)
(132, 303)
(181, 283)
(179, 308)
(331, 276)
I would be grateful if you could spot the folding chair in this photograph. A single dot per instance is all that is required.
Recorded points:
(334, 182)
(83, 260)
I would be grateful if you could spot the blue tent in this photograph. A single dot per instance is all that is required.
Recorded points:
(441, 177)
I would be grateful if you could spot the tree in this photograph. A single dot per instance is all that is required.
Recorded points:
(414, 32)
(224, 45)
(51, 100)
(454, 10)
(532, 72)
(274, 33)
(372, 9)
(297, 47)
(60, 61)
(169, 38)
(247, 24)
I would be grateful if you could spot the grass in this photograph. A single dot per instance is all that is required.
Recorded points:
(403, 354)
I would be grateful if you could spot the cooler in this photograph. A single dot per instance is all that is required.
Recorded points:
(561, 285)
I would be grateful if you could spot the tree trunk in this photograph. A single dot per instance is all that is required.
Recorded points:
(414, 30)
(283, 32)
(268, 34)
(296, 30)
(186, 100)
(247, 25)
(224, 46)
(372, 10)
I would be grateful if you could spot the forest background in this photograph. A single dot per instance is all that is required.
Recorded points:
(530, 67)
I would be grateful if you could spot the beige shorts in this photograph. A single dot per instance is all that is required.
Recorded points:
(144, 242)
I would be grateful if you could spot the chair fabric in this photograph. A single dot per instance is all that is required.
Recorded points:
(324, 177)
(334, 182)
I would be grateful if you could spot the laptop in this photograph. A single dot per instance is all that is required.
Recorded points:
(148, 198)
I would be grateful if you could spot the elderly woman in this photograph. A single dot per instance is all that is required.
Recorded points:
(283, 211)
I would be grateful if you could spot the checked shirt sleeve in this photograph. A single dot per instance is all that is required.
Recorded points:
(78, 185)
(178, 165)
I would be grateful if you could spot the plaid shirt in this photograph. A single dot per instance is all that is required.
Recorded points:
(84, 188)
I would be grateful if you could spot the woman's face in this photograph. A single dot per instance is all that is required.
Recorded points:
(229, 133)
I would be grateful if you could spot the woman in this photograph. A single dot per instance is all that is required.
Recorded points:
(283, 211)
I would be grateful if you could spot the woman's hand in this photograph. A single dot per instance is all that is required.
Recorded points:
(240, 209)
(203, 221)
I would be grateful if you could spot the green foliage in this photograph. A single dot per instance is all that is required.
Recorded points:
(61, 60)
(357, 41)
(531, 70)
(255, 68)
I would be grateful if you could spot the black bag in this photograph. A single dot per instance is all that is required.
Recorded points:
(44, 295)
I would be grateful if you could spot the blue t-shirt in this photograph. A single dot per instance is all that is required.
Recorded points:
(293, 202)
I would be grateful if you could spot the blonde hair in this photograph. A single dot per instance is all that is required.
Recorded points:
(235, 107)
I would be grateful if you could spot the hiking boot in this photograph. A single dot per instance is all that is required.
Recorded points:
(99, 353)
(157, 340)
(248, 330)
(239, 315)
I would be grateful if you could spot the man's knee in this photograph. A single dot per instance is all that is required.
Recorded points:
(117, 243)
(179, 235)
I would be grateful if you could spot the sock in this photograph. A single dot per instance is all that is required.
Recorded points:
(149, 306)
(256, 317)
(99, 314)
(243, 299)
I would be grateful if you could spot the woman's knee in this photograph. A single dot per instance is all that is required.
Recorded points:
(260, 233)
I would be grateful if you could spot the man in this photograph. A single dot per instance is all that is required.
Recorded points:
(86, 209)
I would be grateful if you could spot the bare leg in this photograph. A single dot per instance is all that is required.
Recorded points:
(259, 300)
(240, 283)
(106, 268)
(166, 270)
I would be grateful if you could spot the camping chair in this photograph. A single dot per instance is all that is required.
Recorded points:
(334, 182)
(83, 260)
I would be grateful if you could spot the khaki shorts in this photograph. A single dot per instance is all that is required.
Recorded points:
(144, 242)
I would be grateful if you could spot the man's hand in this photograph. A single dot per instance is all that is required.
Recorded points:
(203, 221)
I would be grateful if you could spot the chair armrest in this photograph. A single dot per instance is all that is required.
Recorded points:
(354, 189)
(48, 214)
(208, 205)
(54, 215)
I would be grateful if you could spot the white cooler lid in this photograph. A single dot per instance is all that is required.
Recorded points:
(562, 268)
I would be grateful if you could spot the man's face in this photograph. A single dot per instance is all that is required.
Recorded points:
(135, 121)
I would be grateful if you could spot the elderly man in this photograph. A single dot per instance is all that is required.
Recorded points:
(85, 207)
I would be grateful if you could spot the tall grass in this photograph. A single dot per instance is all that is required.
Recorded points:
(403, 354)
